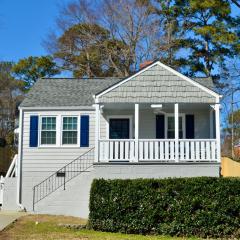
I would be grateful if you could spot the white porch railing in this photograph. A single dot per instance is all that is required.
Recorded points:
(112, 149)
(158, 150)
(198, 150)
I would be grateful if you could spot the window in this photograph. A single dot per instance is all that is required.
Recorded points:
(171, 127)
(69, 130)
(119, 128)
(48, 130)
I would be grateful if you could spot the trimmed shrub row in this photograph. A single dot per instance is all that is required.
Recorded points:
(203, 207)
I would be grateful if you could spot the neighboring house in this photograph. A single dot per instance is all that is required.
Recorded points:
(156, 123)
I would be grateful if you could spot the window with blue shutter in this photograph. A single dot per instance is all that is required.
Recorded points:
(84, 131)
(33, 141)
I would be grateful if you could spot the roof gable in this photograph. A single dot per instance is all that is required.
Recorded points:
(157, 83)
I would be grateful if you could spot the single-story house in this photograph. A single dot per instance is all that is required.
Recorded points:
(156, 123)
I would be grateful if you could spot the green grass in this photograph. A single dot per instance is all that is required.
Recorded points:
(45, 227)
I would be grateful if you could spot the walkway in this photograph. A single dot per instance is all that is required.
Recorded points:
(7, 217)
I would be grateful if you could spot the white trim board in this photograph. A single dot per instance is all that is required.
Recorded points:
(217, 96)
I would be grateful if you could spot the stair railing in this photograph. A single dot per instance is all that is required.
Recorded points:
(62, 176)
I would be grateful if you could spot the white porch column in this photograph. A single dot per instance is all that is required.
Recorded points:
(176, 121)
(211, 121)
(97, 131)
(136, 132)
(218, 138)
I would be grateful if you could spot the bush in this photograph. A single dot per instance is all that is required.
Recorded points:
(203, 207)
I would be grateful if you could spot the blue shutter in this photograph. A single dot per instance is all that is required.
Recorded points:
(84, 131)
(190, 129)
(160, 126)
(33, 141)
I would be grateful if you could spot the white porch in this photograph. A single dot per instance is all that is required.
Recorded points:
(142, 144)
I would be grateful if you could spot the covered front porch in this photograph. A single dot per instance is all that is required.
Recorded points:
(168, 132)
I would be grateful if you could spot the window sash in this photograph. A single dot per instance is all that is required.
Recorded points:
(48, 130)
(171, 127)
(69, 130)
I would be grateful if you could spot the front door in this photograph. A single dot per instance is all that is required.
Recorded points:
(119, 128)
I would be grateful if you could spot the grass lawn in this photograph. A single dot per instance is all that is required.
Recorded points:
(46, 227)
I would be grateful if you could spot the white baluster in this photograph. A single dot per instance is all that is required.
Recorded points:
(156, 150)
(132, 150)
(187, 150)
(151, 150)
(193, 151)
(172, 151)
(161, 145)
(166, 150)
(181, 150)
(111, 150)
(197, 151)
(146, 157)
(208, 153)
(121, 149)
(126, 150)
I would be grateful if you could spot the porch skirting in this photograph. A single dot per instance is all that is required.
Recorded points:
(123, 170)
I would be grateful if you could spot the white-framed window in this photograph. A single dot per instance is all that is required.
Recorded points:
(70, 130)
(170, 126)
(119, 126)
(48, 130)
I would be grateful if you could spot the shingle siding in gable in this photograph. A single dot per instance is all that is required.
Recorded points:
(157, 85)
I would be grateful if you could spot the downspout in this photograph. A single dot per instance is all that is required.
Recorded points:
(19, 160)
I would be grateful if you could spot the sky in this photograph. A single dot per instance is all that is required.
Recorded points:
(25, 23)
(23, 26)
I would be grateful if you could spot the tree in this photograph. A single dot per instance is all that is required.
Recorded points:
(174, 28)
(30, 69)
(10, 95)
(125, 28)
(236, 2)
(88, 50)
(214, 35)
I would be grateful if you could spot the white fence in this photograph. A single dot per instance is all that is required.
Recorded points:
(1, 189)
(158, 149)
(12, 172)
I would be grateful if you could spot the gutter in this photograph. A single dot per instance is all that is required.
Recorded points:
(58, 108)
(19, 161)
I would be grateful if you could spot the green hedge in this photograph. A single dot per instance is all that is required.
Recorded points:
(203, 207)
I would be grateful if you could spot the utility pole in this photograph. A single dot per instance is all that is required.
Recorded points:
(232, 121)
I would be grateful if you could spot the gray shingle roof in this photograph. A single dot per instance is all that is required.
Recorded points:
(205, 81)
(60, 92)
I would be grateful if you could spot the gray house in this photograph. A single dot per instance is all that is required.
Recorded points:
(156, 123)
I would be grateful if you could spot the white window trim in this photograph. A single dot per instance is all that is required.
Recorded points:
(78, 132)
(58, 130)
(130, 117)
(183, 115)
(40, 131)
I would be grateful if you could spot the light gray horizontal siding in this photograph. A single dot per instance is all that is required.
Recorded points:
(39, 163)
(157, 85)
(50, 159)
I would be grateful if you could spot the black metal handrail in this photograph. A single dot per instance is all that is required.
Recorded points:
(62, 176)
